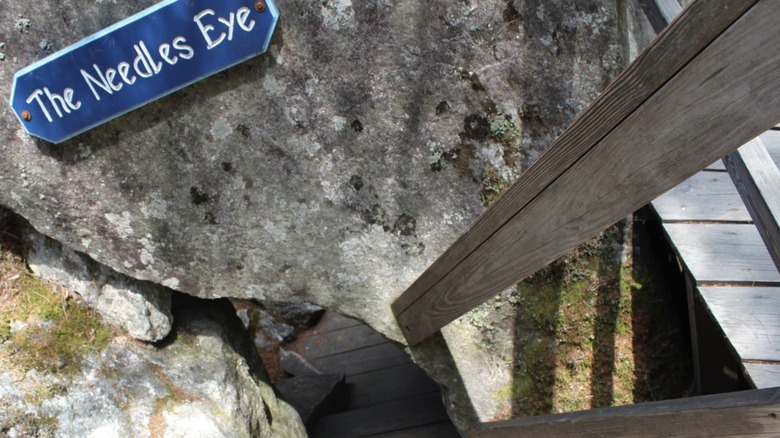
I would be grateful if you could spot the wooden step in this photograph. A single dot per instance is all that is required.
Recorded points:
(395, 416)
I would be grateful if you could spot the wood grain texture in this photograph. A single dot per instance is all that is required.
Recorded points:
(763, 375)
(438, 430)
(771, 141)
(743, 414)
(360, 361)
(387, 417)
(717, 165)
(750, 318)
(719, 101)
(706, 196)
(674, 48)
(723, 253)
(669, 9)
(336, 342)
(758, 182)
(393, 383)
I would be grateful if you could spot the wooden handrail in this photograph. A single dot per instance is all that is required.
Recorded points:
(758, 182)
(702, 88)
(755, 175)
(744, 414)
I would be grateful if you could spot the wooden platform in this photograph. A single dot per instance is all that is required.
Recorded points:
(387, 395)
(734, 286)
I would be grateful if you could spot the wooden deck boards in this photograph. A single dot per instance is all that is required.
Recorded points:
(763, 375)
(718, 165)
(392, 383)
(706, 196)
(706, 221)
(395, 416)
(771, 140)
(723, 253)
(750, 318)
(386, 394)
(337, 342)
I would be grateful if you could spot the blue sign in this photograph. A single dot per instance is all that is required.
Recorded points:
(138, 60)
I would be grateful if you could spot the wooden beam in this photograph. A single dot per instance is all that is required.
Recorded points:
(758, 182)
(621, 153)
(669, 53)
(669, 9)
(745, 414)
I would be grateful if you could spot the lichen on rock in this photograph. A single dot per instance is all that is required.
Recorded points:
(244, 185)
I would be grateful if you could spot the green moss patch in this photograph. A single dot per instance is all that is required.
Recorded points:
(588, 331)
(52, 330)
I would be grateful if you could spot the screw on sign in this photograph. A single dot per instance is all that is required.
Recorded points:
(140, 59)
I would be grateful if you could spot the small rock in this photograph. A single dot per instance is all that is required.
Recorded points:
(274, 330)
(301, 316)
(140, 308)
(243, 315)
(295, 364)
(311, 395)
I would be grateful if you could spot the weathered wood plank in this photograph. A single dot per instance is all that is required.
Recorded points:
(771, 141)
(438, 430)
(758, 182)
(331, 321)
(750, 318)
(706, 196)
(683, 127)
(336, 342)
(723, 253)
(743, 414)
(387, 417)
(388, 384)
(763, 375)
(674, 48)
(718, 165)
(361, 361)
(669, 9)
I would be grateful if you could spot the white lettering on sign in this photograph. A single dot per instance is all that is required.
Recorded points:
(144, 65)
(147, 63)
(242, 14)
(60, 103)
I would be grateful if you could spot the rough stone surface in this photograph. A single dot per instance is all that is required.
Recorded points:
(312, 395)
(295, 364)
(300, 316)
(269, 332)
(332, 170)
(200, 384)
(143, 309)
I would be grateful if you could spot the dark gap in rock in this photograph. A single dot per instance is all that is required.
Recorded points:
(198, 197)
(330, 368)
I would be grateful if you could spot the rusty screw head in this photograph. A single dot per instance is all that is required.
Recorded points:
(260, 6)
(26, 116)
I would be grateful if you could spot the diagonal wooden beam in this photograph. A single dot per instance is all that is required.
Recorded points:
(758, 181)
(703, 87)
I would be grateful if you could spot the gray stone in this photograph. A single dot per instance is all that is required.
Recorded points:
(295, 364)
(206, 383)
(271, 330)
(243, 315)
(311, 396)
(301, 316)
(140, 308)
(332, 170)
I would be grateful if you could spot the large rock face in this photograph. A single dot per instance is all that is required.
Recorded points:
(333, 169)
(206, 382)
